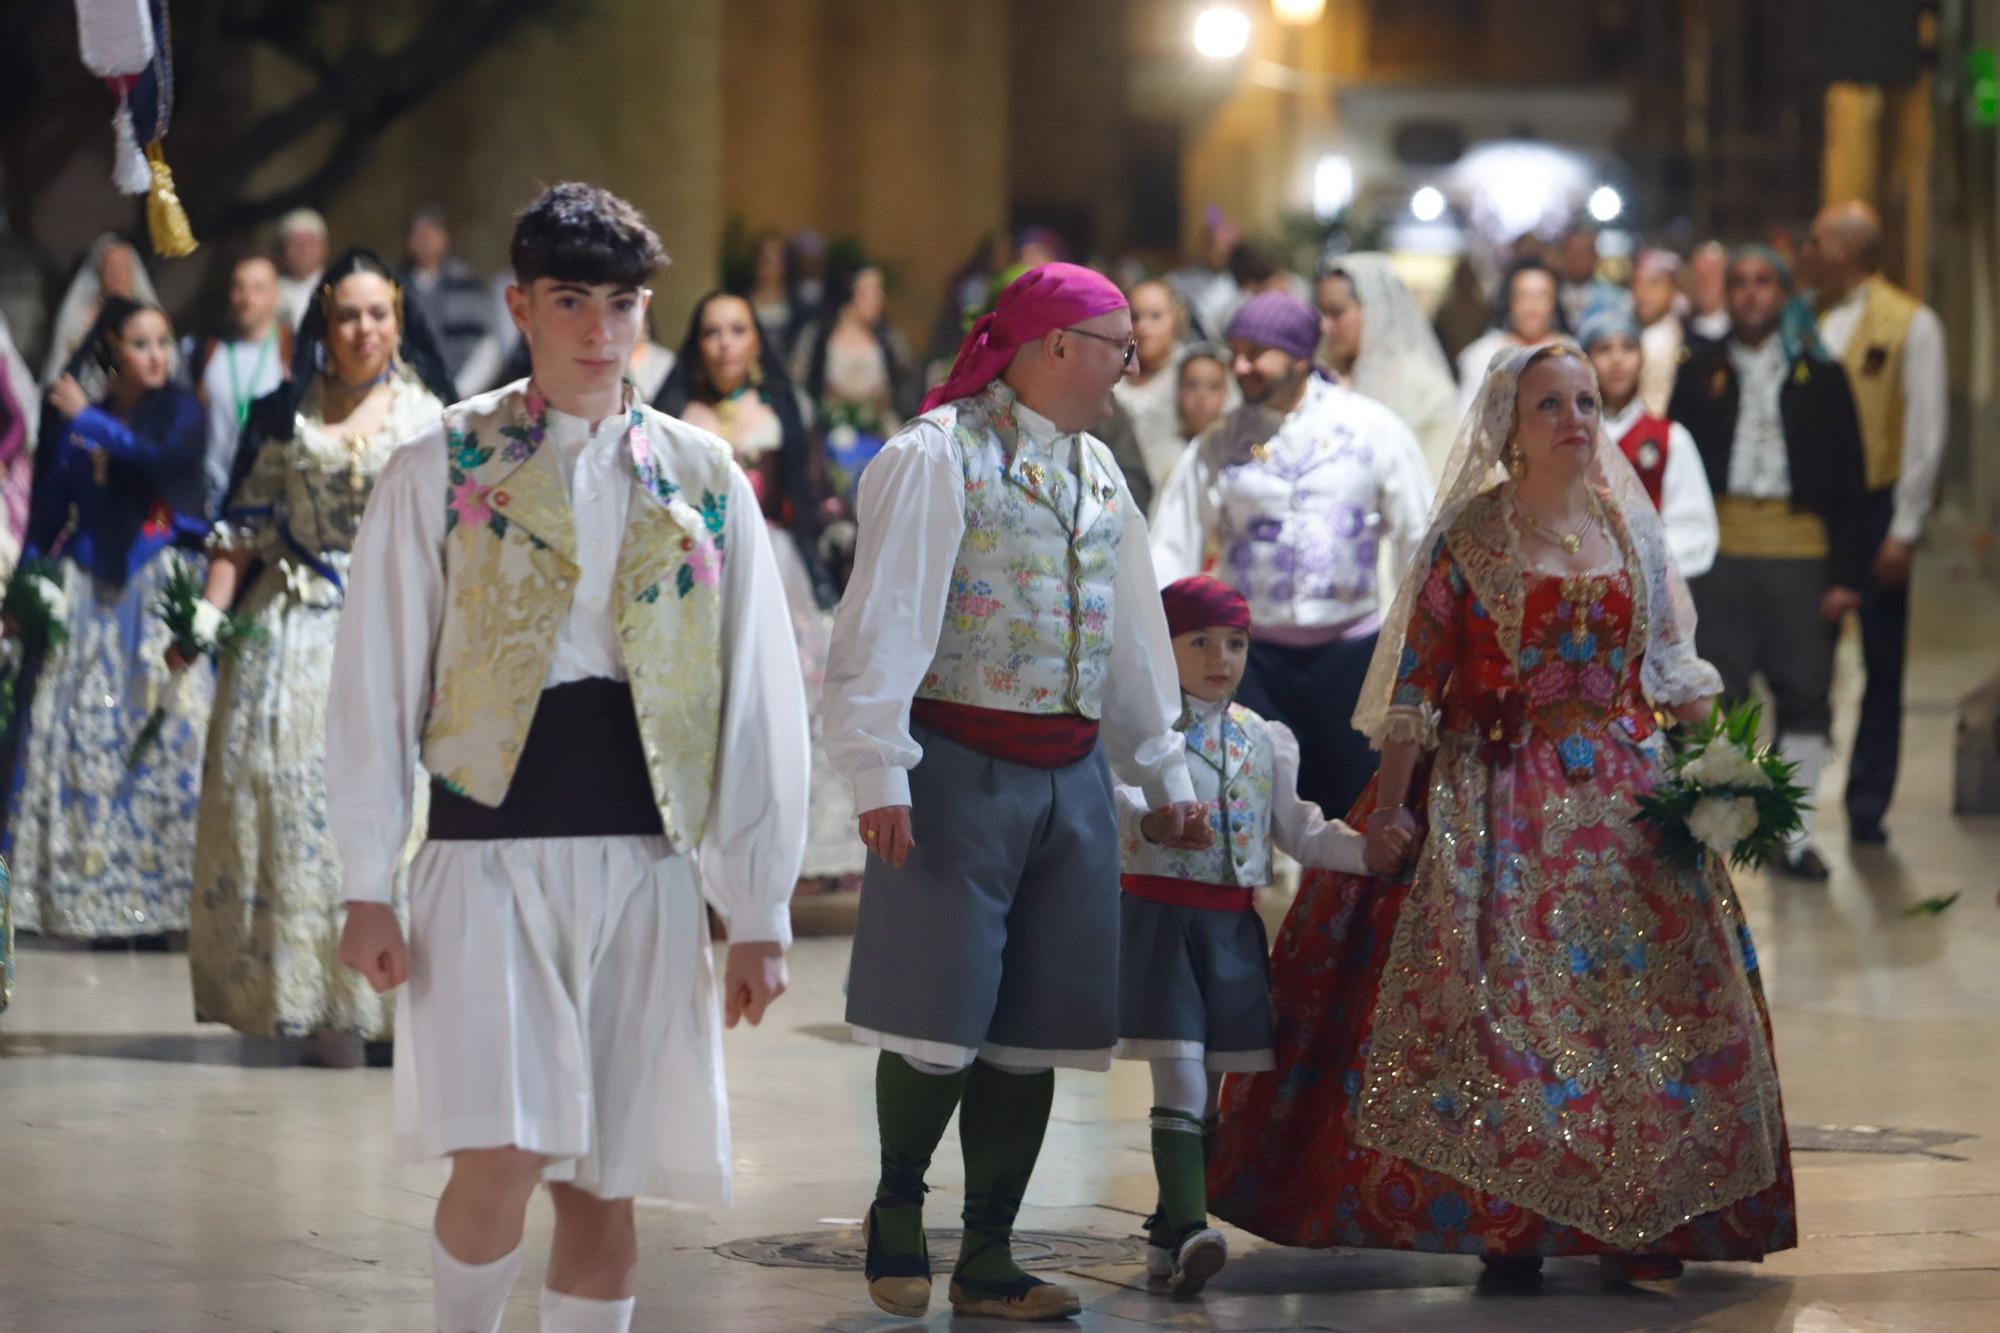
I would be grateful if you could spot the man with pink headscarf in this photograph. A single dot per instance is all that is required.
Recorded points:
(1000, 653)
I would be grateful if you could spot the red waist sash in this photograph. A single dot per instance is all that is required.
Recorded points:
(1187, 892)
(1038, 740)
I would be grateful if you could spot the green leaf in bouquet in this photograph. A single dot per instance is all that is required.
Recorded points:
(1931, 906)
(36, 624)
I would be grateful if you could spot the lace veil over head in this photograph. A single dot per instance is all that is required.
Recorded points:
(1400, 362)
(1671, 672)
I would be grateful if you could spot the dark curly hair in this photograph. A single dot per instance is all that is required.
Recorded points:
(580, 233)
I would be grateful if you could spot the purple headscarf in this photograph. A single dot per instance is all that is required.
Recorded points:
(1273, 319)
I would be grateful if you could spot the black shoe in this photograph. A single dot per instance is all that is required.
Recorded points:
(1508, 1272)
(1806, 866)
(1868, 835)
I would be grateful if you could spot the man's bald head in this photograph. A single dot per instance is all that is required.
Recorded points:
(1845, 246)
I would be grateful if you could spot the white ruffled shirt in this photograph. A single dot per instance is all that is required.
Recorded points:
(1687, 506)
(1759, 466)
(885, 635)
(749, 855)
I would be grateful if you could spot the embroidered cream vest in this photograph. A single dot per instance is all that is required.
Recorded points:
(1028, 623)
(1233, 766)
(510, 573)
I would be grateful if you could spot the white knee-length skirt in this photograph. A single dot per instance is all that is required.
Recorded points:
(561, 1001)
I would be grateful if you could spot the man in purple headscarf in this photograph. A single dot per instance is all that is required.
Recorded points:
(1001, 651)
(1300, 499)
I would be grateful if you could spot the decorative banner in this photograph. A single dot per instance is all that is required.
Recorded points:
(129, 44)
(116, 36)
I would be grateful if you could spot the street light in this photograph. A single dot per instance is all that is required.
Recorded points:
(1221, 32)
(1606, 203)
(1427, 204)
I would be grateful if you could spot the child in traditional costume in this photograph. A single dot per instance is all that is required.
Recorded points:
(1194, 986)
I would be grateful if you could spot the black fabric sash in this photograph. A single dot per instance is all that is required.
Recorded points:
(582, 775)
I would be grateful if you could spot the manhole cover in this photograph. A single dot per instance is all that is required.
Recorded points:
(1036, 1250)
(1876, 1138)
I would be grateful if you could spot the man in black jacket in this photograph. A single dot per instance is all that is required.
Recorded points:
(1775, 423)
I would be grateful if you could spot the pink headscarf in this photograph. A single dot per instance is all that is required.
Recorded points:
(1045, 298)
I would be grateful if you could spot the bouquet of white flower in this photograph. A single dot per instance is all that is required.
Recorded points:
(1723, 795)
(35, 611)
(199, 629)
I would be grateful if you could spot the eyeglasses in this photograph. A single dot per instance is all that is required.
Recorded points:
(1129, 345)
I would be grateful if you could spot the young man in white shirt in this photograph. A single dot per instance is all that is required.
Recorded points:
(565, 603)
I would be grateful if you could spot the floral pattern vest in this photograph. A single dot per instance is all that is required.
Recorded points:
(1300, 518)
(1027, 624)
(510, 572)
(1232, 763)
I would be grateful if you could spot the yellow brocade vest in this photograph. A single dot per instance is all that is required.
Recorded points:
(511, 567)
(1874, 363)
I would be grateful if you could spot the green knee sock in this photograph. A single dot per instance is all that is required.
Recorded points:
(1178, 1165)
(912, 1109)
(1000, 1127)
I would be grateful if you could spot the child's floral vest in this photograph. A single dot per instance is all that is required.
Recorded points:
(1231, 761)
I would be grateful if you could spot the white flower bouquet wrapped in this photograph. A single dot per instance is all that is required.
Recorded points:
(1723, 796)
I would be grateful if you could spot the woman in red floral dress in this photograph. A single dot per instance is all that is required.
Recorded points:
(1547, 1039)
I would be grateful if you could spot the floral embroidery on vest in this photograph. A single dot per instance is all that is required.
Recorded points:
(1028, 619)
(511, 568)
(1233, 765)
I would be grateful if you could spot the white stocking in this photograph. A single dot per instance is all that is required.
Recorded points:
(469, 1298)
(1180, 1084)
(564, 1313)
(1809, 753)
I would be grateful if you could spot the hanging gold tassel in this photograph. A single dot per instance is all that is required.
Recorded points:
(173, 238)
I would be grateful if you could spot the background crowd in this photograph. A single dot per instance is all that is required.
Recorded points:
(1746, 387)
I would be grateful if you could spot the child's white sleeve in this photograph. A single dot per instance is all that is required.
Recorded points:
(1131, 803)
(1298, 827)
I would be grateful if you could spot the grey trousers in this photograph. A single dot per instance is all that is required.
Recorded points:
(999, 934)
(1761, 617)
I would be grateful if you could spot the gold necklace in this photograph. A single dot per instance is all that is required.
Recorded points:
(1571, 542)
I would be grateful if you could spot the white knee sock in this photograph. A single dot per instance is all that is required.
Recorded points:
(1809, 753)
(1180, 1084)
(469, 1298)
(564, 1313)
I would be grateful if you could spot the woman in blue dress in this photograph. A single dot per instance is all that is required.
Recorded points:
(100, 851)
